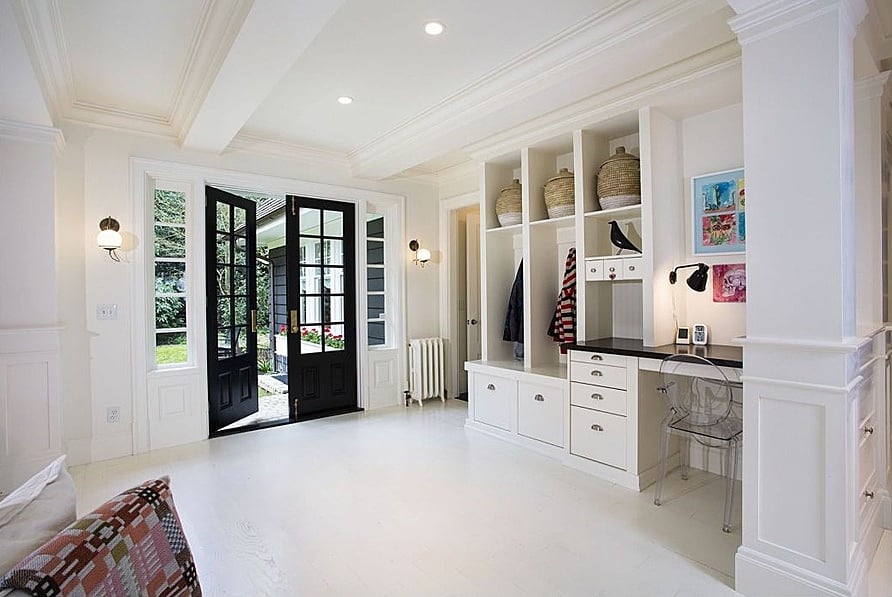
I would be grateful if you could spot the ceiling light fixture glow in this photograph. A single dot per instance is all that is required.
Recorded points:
(345, 99)
(433, 28)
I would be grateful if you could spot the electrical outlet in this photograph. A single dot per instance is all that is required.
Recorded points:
(106, 312)
(113, 414)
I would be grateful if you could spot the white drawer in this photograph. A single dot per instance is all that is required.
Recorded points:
(493, 400)
(632, 268)
(598, 436)
(594, 270)
(540, 413)
(600, 375)
(614, 360)
(598, 398)
(866, 455)
(613, 269)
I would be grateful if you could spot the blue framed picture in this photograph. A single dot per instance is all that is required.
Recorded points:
(718, 206)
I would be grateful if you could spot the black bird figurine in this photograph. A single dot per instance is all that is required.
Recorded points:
(619, 239)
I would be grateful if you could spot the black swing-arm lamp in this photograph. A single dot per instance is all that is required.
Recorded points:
(697, 280)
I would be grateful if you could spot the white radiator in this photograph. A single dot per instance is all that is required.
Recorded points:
(427, 369)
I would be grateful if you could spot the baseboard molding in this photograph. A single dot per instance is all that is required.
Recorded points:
(758, 575)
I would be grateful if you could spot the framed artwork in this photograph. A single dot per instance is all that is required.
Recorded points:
(729, 283)
(719, 213)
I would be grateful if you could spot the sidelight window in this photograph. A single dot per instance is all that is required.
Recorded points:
(171, 275)
(375, 279)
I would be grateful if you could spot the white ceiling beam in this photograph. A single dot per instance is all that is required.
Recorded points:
(274, 35)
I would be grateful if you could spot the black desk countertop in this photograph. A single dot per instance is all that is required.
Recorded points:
(724, 356)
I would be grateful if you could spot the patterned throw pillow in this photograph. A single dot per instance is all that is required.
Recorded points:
(131, 545)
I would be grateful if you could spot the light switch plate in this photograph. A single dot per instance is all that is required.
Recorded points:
(106, 312)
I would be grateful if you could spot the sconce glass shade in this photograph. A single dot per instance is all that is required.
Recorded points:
(423, 255)
(109, 239)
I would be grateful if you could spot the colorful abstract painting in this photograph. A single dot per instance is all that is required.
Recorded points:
(719, 205)
(729, 283)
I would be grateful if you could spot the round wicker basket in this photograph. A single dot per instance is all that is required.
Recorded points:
(619, 180)
(560, 194)
(508, 206)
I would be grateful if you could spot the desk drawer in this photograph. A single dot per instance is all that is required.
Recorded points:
(493, 400)
(866, 455)
(540, 413)
(598, 358)
(598, 398)
(599, 375)
(598, 436)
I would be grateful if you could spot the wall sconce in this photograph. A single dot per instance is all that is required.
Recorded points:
(109, 238)
(422, 256)
(697, 280)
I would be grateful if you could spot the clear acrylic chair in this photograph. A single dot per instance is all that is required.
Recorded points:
(700, 401)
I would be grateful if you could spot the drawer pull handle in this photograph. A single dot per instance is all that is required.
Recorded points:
(596, 373)
(868, 431)
(597, 397)
(597, 357)
(490, 387)
(631, 268)
(594, 270)
(597, 427)
(539, 397)
(868, 495)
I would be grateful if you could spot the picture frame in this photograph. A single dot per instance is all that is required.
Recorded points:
(718, 213)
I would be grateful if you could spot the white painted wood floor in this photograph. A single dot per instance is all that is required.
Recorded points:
(406, 502)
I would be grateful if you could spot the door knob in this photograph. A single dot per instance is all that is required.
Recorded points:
(472, 322)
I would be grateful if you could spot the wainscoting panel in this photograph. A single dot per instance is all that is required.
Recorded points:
(177, 408)
(384, 378)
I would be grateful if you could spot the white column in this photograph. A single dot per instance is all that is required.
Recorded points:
(802, 357)
(30, 408)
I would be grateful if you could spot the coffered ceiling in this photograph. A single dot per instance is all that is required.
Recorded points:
(264, 75)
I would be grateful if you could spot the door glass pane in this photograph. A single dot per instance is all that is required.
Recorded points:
(223, 248)
(224, 312)
(376, 306)
(334, 309)
(224, 280)
(310, 309)
(375, 252)
(334, 252)
(170, 312)
(375, 226)
(170, 241)
(310, 250)
(334, 280)
(310, 339)
(311, 280)
(334, 224)
(223, 211)
(309, 221)
(170, 276)
(239, 217)
(375, 277)
(240, 280)
(334, 337)
(376, 333)
(241, 310)
(241, 340)
(224, 343)
(241, 250)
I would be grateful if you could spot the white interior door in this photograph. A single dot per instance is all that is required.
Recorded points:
(472, 224)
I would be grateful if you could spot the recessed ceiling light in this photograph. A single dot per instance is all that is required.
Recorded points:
(345, 99)
(433, 28)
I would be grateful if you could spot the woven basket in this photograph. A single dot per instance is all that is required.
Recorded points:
(560, 195)
(508, 207)
(619, 180)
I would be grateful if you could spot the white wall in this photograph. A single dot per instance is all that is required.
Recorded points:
(711, 142)
(94, 182)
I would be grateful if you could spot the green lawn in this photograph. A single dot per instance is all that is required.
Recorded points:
(167, 354)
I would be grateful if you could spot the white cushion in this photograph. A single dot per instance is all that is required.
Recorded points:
(34, 513)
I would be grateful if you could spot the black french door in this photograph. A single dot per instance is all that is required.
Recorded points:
(231, 307)
(320, 256)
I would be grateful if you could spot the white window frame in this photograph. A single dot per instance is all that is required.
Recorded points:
(385, 318)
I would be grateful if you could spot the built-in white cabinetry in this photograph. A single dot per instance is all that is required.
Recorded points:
(494, 400)
(540, 412)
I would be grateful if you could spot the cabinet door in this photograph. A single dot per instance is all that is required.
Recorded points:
(493, 400)
(598, 436)
(540, 413)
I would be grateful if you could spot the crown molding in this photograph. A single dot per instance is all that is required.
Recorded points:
(871, 87)
(555, 60)
(757, 20)
(33, 133)
(609, 103)
(283, 149)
